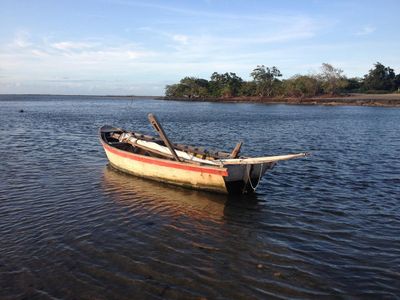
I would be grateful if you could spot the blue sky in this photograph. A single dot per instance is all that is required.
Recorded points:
(137, 47)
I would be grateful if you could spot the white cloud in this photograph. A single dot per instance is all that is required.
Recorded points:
(68, 45)
(21, 40)
(366, 30)
(181, 38)
(38, 53)
(43, 61)
(118, 55)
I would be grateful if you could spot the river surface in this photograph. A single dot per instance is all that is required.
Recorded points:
(71, 227)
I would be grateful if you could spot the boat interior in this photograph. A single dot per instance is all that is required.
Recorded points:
(113, 138)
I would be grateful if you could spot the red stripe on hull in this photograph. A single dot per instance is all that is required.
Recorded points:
(163, 163)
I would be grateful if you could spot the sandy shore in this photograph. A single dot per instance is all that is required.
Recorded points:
(389, 100)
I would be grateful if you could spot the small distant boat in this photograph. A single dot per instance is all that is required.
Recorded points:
(159, 159)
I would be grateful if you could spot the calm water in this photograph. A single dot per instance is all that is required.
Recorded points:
(323, 227)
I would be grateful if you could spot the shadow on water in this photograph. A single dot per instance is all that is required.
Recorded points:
(127, 189)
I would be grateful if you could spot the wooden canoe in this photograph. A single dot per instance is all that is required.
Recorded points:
(215, 171)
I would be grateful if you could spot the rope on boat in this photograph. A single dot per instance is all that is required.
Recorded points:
(259, 177)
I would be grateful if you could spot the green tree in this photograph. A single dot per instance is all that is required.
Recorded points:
(333, 82)
(265, 79)
(397, 82)
(354, 84)
(301, 86)
(248, 89)
(190, 87)
(174, 90)
(380, 78)
(195, 87)
(225, 85)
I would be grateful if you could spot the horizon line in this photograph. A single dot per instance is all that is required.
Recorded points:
(86, 95)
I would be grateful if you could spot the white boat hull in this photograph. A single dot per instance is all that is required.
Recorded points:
(232, 179)
(226, 176)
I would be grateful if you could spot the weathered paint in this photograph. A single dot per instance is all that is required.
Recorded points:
(228, 178)
(198, 177)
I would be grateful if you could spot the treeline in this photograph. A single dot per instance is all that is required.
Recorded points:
(267, 83)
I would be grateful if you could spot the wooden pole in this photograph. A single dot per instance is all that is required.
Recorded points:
(157, 126)
(236, 151)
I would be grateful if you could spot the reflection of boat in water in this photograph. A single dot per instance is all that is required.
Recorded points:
(161, 197)
(158, 159)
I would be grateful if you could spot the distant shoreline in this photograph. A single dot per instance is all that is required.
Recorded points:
(377, 100)
(381, 100)
(83, 95)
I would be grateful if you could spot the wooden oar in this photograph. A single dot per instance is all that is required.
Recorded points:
(157, 126)
(236, 151)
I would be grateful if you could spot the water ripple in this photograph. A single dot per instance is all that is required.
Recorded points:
(73, 227)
